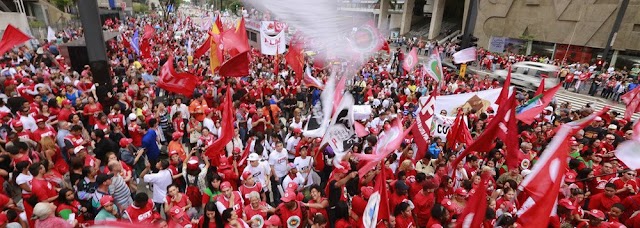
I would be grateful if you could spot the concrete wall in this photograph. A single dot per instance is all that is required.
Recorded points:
(18, 20)
(555, 21)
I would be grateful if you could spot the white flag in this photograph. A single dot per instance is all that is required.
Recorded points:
(370, 216)
(51, 35)
(466, 55)
(628, 152)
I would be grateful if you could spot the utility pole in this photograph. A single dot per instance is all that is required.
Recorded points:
(470, 24)
(614, 30)
(96, 49)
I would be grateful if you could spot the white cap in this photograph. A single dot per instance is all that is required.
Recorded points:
(613, 127)
(253, 157)
(132, 116)
(78, 149)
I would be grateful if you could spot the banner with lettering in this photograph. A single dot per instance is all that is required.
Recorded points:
(478, 101)
(441, 125)
(269, 45)
(273, 27)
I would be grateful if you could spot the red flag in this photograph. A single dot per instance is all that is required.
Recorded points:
(509, 135)
(246, 152)
(295, 59)
(218, 24)
(381, 187)
(338, 92)
(202, 49)
(422, 129)
(410, 60)
(473, 213)
(542, 185)
(237, 66)
(532, 109)
(504, 93)
(235, 41)
(182, 83)
(387, 143)
(459, 132)
(311, 81)
(149, 32)
(226, 132)
(361, 130)
(145, 49)
(385, 45)
(484, 142)
(125, 41)
(319, 61)
(12, 37)
(631, 99)
(540, 88)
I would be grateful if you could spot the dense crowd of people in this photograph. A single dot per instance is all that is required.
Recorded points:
(69, 157)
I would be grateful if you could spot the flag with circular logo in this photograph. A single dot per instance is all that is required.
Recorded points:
(370, 216)
(410, 60)
(365, 39)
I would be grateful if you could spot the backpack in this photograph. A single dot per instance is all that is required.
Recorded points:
(193, 193)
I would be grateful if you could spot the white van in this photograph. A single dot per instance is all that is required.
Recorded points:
(529, 74)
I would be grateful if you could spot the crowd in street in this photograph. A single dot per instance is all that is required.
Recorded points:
(69, 157)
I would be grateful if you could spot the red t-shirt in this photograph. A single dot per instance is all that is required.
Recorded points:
(91, 111)
(136, 136)
(423, 204)
(237, 205)
(42, 189)
(143, 215)
(40, 133)
(291, 219)
(64, 114)
(314, 211)
(404, 222)
(603, 203)
(256, 214)
(245, 190)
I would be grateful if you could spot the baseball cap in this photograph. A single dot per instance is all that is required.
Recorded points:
(462, 192)
(246, 175)
(596, 213)
(101, 178)
(598, 118)
(297, 130)
(105, 200)
(193, 163)
(67, 102)
(288, 196)
(224, 163)
(124, 142)
(236, 150)
(176, 135)
(612, 127)
(176, 212)
(17, 123)
(274, 220)
(292, 186)
(448, 205)
(291, 166)
(566, 203)
(173, 152)
(570, 177)
(253, 157)
(133, 116)
(40, 120)
(78, 149)
(366, 191)
(225, 185)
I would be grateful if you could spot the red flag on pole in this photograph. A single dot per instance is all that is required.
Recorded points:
(631, 99)
(235, 41)
(237, 66)
(532, 109)
(542, 185)
(509, 135)
(276, 62)
(182, 83)
(381, 187)
(149, 32)
(540, 88)
(12, 37)
(459, 132)
(295, 59)
(504, 93)
(476, 208)
(202, 49)
(226, 132)
(422, 128)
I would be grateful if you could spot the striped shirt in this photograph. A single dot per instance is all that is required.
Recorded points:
(120, 192)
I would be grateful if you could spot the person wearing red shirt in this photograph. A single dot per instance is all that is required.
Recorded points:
(66, 110)
(400, 194)
(178, 217)
(227, 172)
(440, 215)
(42, 131)
(91, 110)
(249, 185)
(604, 201)
(404, 217)
(317, 204)
(175, 199)
(291, 211)
(626, 184)
(21, 132)
(115, 117)
(211, 217)
(424, 201)
(40, 187)
(631, 204)
(254, 212)
(141, 212)
(596, 219)
(135, 131)
(230, 199)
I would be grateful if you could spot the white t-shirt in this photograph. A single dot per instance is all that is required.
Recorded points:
(303, 165)
(292, 142)
(259, 173)
(22, 178)
(299, 179)
(279, 162)
(160, 181)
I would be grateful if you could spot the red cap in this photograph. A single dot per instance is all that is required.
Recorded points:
(236, 150)
(193, 162)
(17, 123)
(176, 135)
(366, 191)
(570, 177)
(462, 192)
(358, 205)
(566, 203)
(274, 220)
(173, 152)
(105, 200)
(288, 196)
(293, 186)
(40, 119)
(225, 185)
(3, 218)
(246, 175)
(297, 130)
(596, 213)
(3, 114)
(448, 205)
(124, 142)
(224, 163)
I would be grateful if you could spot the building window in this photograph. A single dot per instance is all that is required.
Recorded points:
(253, 36)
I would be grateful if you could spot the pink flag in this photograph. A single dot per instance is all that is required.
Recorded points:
(627, 151)
(632, 100)
(361, 131)
(465, 55)
(389, 141)
(410, 60)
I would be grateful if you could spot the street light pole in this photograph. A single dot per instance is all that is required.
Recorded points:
(96, 49)
(614, 30)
